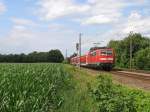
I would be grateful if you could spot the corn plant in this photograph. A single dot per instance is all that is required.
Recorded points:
(32, 87)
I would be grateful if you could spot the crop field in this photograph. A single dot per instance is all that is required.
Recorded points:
(31, 87)
(63, 88)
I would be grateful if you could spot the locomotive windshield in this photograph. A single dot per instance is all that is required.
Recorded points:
(109, 52)
(106, 52)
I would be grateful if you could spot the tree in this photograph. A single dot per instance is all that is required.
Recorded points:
(122, 49)
(51, 56)
(55, 56)
(142, 59)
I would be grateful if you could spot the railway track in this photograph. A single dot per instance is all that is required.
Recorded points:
(138, 75)
(142, 75)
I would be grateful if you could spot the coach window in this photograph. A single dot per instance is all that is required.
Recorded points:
(93, 54)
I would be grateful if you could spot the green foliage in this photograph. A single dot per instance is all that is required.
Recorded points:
(51, 56)
(55, 56)
(78, 99)
(122, 49)
(111, 97)
(32, 87)
(66, 61)
(143, 59)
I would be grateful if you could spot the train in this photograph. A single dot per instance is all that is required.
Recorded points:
(97, 57)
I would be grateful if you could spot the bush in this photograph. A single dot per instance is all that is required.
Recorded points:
(115, 98)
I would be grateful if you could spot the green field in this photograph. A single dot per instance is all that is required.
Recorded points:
(63, 88)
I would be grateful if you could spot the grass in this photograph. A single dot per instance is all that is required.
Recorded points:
(78, 100)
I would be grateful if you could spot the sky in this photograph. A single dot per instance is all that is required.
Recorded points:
(41, 25)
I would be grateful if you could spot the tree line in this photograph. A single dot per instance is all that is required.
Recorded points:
(50, 56)
(140, 51)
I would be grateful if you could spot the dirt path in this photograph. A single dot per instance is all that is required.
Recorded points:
(125, 80)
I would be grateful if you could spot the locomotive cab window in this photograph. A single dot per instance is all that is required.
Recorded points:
(109, 52)
(106, 52)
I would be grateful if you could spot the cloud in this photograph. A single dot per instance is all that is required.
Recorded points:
(108, 11)
(100, 19)
(2, 8)
(91, 12)
(137, 23)
(56, 27)
(105, 11)
(52, 9)
(22, 22)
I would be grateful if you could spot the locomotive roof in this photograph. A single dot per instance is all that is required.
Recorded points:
(96, 48)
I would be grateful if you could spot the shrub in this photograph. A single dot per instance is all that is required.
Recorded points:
(115, 98)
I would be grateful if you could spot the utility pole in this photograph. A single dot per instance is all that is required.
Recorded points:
(66, 53)
(77, 49)
(131, 34)
(80, 49)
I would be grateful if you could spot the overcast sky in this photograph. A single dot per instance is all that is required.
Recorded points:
(41, 25)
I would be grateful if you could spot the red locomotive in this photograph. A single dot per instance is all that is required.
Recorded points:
(99, 57)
